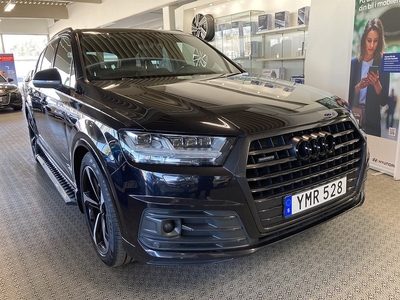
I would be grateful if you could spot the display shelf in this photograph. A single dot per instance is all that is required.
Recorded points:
(284, 30)
(239, 38)
(282, 58)
(284, 48)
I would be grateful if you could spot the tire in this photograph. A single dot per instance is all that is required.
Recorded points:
(100, 215)
(203, 27)
(17, 107)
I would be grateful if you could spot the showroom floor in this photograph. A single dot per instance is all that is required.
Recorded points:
(46, 252)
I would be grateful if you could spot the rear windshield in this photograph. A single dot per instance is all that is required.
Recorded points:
(140, 54)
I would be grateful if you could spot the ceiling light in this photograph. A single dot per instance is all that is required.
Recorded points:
(9, 6)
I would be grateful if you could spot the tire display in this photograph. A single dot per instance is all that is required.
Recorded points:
(203, 27)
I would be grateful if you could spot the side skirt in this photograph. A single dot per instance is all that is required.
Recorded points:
(66, 190)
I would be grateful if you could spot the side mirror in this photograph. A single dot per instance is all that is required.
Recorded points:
(48, 79)
(10, 80)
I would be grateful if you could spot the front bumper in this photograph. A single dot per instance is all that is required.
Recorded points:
(10, 100)
(218, 213)
(181, 230)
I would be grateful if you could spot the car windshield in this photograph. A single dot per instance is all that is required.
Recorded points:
(115, 55)
(2, 79)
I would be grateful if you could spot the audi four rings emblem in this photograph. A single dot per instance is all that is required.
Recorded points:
(313, 145)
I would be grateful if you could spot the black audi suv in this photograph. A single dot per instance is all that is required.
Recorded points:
(174, 154)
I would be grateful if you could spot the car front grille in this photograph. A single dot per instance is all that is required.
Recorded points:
(274, 170)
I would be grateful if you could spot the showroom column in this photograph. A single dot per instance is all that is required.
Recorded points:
(169, 17)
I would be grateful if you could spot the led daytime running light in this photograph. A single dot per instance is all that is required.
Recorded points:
(174, 149)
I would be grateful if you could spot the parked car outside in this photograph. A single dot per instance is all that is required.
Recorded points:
(174, 154)
(10, 96)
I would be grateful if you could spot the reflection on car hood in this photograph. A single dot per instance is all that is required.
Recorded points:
(213, 105)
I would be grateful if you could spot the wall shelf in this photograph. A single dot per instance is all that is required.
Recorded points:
(281, 59)
(237, 36)
(284, 30)
(284, 49)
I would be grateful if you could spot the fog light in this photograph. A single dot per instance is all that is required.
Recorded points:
(168, 226)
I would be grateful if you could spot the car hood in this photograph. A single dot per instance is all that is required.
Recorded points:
(223, 105)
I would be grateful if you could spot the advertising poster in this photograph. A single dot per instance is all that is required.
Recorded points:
(375, 78)
(7, 67)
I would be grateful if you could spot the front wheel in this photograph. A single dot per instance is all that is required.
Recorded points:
(100, 215)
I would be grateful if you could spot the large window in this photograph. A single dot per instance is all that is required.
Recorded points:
(26, 50)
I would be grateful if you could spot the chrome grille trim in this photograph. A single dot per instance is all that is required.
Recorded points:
(280, 148)
(299, 168)
(297, 180)
(269, 182)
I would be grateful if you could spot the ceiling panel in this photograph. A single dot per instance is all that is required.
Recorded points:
(58, 10)
(33, 9)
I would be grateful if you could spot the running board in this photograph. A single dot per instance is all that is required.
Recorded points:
(63, 187)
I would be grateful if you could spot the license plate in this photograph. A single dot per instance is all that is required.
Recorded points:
(309, 199)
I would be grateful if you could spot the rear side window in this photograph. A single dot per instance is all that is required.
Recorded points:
(63, 60)
(48, 56)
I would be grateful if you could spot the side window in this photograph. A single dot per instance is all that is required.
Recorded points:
(39, 62)
(63, 60)
(72, 80)
(48, 56)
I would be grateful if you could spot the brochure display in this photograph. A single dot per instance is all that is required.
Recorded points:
(274, 73)
(265, 22)
(374, 83)
(303, 15)
(282, 19)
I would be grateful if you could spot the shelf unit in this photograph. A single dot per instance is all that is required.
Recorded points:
(236, 37)
(284, 48)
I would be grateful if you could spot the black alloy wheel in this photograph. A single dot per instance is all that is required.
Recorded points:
(99, 214)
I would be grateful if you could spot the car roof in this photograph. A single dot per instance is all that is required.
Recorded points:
(72, 31)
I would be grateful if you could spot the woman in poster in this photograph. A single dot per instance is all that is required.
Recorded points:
(2, 73)
(369, 85)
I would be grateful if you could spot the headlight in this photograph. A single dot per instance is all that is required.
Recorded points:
(170, 149)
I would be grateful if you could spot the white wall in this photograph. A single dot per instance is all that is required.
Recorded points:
(24, 26)
(329, 43)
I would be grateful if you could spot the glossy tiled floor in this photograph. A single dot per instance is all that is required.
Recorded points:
(46, 252)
